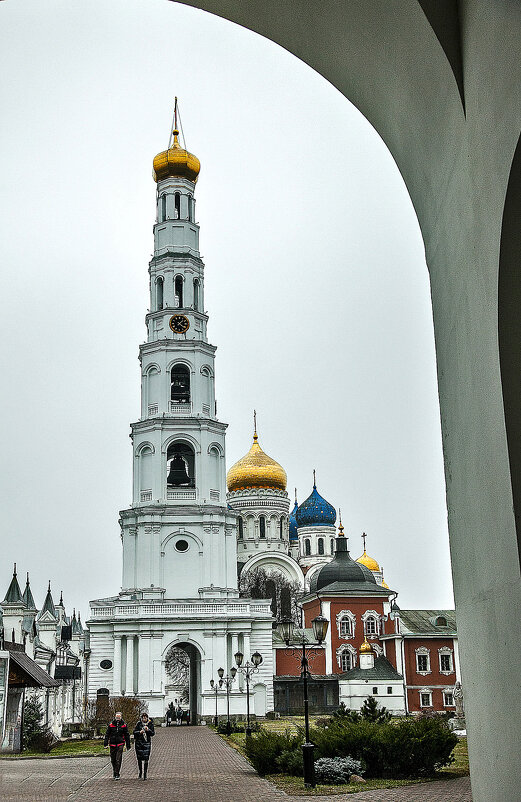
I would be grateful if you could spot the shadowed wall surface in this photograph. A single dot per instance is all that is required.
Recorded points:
(441, 83)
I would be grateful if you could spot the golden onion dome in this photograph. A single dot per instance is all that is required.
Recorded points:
(366, 647)
(368, 561)
(176, 162)
(256, 469)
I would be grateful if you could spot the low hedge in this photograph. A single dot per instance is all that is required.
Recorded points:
(409, 748)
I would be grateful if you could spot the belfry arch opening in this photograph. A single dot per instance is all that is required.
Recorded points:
(182, 669)
(178, 291)
(180, 460)
(180, 384)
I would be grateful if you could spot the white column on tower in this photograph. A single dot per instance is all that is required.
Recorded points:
(116, 682)
(129, 684)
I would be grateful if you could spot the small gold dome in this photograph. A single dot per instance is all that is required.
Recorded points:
(368, 562)
(366, 647)
(176, 162)
(256, 469)
(384, 584)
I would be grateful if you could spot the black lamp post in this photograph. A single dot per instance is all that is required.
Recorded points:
(227, 682)
(286, 627)
(215, 688)
(248, 669)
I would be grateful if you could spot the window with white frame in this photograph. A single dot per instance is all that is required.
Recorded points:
(446, 661)
(423, 660)
(346, 657)
(425, 698)
(345, 661)
(448, 698)
(371, 625)
(345, 622)
(371, 620)
(377, 649)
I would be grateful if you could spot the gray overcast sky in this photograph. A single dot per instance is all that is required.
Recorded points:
(316, 286)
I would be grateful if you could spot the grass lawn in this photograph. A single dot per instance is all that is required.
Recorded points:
(72, 748)
(294, 785)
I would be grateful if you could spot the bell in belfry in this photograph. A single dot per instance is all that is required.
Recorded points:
(178, 474)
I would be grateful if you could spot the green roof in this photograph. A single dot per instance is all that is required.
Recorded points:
(13, 594)
(424, 622)
(382, 670)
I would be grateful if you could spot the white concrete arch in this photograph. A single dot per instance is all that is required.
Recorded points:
(181, 437)
(179, 360)
(150, 367)
(207, 370)
(276, 561)
(182, 534)
(142, 446)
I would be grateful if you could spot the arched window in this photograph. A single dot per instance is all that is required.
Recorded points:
(215, 467)
(102, 692)
(180, 465)
(321, 545)
(281, 528)
(262, 526)
(146, 469)
(346, 627)
(159, 292)
(196, 294)
(177, 206)
(180, 384)
(371, 627)
(345, 660)
(241, 528)
(178, 290)
(441, 621)
(332, 545)
(307, 547)
(162, 208)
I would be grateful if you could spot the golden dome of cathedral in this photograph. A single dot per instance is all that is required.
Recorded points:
(176, 162)
(368, 561)
(366, 647)
(256, 469)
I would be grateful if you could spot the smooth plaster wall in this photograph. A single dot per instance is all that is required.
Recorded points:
(447, 102)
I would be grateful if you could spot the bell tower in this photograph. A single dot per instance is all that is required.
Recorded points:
(178, 534)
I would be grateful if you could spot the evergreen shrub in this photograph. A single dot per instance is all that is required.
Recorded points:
(263, 749)
(405, 749)
(36, 736)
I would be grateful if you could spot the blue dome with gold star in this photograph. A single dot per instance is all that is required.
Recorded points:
(293, 534)
(315, 511)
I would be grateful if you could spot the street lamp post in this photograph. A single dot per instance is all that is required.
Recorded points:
(215, 688)
(227, 682)
(286, 627)
(248, 669)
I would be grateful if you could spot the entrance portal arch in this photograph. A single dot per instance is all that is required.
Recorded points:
(182, 668)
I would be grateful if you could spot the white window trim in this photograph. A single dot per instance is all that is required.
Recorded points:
(377, 650)
(346, 647)
(451, 691)
(377, 618)
(422, 691)
(346, 614)
(446, 651)
(423, 651)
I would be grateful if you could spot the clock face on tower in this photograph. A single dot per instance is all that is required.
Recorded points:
(179, 324)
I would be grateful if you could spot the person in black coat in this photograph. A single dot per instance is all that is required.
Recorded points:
(116, 738)
(143, 732)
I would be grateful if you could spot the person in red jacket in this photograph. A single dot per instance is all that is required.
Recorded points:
(116, 737)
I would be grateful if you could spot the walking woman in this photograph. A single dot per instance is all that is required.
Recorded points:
(143, 732)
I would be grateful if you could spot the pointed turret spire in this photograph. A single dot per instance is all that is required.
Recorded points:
(14, 593)
(255, 438)
(60, 603)
(314, 479)
(48, 605)
(28, 596)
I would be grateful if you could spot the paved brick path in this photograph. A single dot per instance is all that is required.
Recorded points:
(188, 764)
